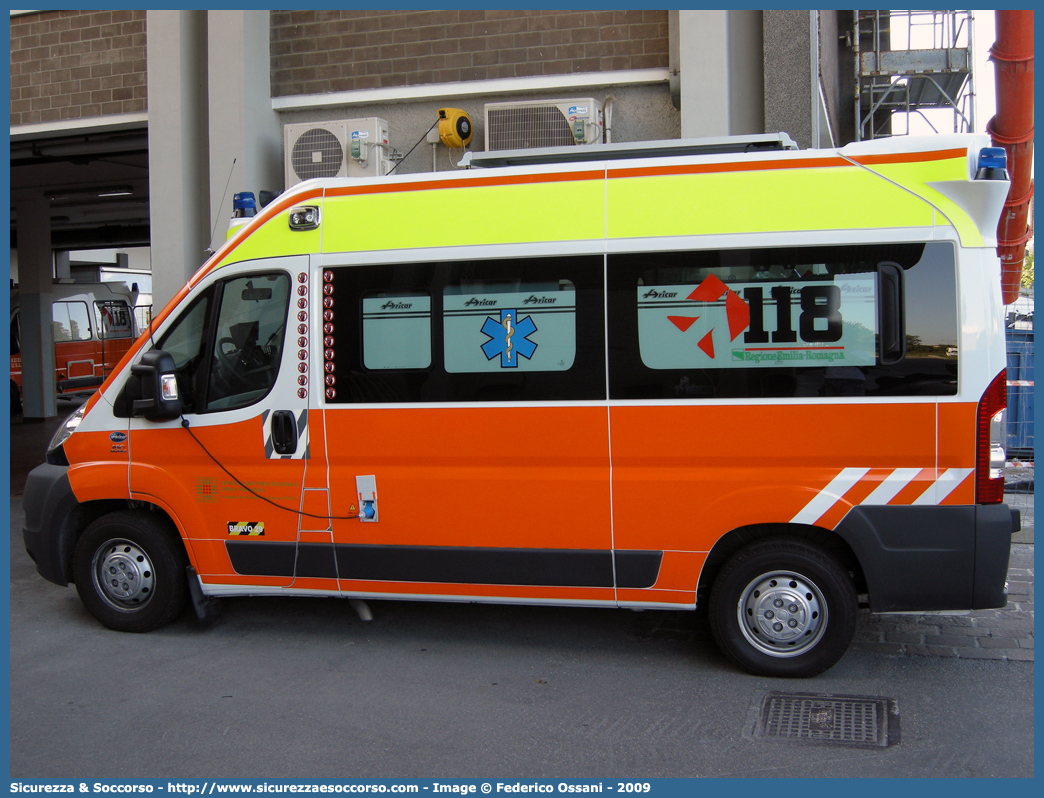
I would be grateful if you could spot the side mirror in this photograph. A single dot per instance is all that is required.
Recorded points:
(157, 384)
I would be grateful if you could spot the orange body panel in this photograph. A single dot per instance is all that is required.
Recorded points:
(171, 468)
(685, 476)
(212, 565)
(534, 477)
(100, 466)
(315, 509)
(963, 494)
(957, 446)
(957, 435)
(95, 481)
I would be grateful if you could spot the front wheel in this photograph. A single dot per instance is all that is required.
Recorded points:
(783, 607)
(129, 569)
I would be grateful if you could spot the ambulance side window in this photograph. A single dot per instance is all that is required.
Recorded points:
(396, 330)
(483, 330)
(827, 321)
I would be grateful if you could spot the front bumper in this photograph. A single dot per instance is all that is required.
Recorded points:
(49, 504)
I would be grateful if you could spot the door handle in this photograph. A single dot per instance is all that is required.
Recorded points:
(284, 432)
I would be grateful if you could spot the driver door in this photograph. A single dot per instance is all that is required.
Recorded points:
(233, 476)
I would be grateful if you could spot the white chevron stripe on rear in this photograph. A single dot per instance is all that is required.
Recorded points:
(944, 486)
(891, 485)
(826, 498)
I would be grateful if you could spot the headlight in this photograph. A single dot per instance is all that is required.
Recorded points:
(67, 429)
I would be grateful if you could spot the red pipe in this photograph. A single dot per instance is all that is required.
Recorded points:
(1012, 129)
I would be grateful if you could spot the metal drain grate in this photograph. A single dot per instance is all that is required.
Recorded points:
(859, 721)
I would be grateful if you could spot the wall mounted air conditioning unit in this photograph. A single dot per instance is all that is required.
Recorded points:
(345, 148)
(543, 123)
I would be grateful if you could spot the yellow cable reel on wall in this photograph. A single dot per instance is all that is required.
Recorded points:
(455, 128)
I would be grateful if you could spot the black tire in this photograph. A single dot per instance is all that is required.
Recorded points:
(129, 569)
(783, 607)
(16, 399)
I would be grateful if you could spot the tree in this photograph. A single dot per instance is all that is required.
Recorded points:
(1027, 270)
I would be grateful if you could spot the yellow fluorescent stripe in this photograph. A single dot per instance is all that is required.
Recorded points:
(823, 198)
(760, 201)
(564, 211)
(275, 239)
(915, 176)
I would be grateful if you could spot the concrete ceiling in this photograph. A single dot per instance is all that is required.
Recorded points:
(97, 184)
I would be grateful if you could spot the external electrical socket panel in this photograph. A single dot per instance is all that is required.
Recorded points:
(366, 488)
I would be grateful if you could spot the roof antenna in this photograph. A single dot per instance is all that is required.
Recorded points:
(208, 251)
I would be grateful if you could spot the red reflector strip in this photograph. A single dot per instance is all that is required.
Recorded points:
(988, 490)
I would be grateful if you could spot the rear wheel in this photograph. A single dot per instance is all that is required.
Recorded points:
(16, 399)
(129, 569)
(783, 607)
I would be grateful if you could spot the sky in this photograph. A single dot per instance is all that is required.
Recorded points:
(983, 37)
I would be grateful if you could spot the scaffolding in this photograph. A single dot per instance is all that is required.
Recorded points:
(912, 64)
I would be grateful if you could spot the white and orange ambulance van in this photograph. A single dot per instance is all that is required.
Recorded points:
(762, 380)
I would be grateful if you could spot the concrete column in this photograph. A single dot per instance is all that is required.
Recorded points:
(719, 60)
(747, 70)
(245, 136)
(179, 180)
(35, 277)
(790, 74)
(62, 269)
(703, 64)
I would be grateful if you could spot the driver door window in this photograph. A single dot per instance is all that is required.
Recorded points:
(227, 344)
(248, 340)
(184, 342)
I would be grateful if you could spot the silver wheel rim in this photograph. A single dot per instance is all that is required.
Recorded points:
(123, 575)
(782, 614)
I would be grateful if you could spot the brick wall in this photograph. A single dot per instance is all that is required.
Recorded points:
(77, 64)
(325, 51)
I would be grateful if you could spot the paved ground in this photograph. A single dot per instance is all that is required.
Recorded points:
(302, 687)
